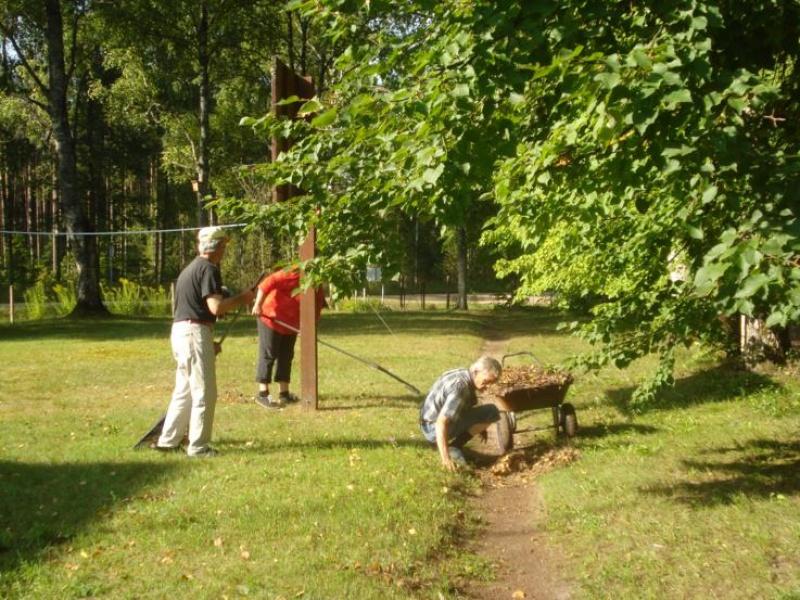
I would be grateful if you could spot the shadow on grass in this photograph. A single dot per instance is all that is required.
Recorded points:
(717, 384)
(761, 468)
(502, 322)
(345, 402)
(594, 432)
(100, 329)
(239, 446)
(44, 505)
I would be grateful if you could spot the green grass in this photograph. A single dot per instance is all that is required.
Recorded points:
(697, 498)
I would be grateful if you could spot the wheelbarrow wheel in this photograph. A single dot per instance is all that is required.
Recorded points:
(504, 433)
(569, 420)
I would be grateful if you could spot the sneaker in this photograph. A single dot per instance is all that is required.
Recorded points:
(268, 402)
(206, 452)
(288, 397)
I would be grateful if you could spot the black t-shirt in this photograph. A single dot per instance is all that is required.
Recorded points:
(201, 278)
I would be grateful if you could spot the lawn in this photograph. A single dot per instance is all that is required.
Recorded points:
(697, 498)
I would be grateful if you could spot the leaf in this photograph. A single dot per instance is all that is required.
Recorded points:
(695, 232)
(461, 90)
(682, 151)
(431, 175)
(707, 276)
(752, 284)
(608, 80)
(682, 96)
(310, 107)
(709, 194)
(776, 318)
(737, 104)
(290, 100)
(516, 99)
(325, 119)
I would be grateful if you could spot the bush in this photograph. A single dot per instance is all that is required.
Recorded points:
(36, 300)
(66, 298)
(359, 305)
(130, 298)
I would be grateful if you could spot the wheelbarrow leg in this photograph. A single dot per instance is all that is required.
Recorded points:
(555, 420)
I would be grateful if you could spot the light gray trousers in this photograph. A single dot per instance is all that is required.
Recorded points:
(195, 393)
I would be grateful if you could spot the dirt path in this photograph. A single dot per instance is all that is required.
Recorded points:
(513, 513)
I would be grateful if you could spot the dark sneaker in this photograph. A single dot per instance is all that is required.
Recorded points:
(268, 403)
(288, 397)
(206, 452)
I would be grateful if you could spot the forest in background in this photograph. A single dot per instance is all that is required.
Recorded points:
(125, 116)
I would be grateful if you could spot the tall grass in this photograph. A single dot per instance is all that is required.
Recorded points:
(133, 299)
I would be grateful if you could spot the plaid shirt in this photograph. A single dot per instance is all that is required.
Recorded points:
(450, 394)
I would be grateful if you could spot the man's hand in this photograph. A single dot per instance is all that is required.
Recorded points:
(448, 464)
(247, 296)
(217, 348)
(256, 310)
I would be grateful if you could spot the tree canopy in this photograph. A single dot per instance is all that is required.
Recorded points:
(641, 158)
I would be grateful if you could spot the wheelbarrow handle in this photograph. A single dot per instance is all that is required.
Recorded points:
(505, 356)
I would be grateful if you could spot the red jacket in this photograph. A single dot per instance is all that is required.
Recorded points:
(282, 300)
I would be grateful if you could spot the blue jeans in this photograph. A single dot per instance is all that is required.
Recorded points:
(458, 432)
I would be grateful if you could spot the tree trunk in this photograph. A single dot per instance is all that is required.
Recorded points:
(56, 257)
(5, 218)
(203, 184)
(461, 249)
(304, 23)
(760, 343)
(95, 142)
(290, 39)
(88, 291)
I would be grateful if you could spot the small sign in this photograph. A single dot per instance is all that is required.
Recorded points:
(373, 274)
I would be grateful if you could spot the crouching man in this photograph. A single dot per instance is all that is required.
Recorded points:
(449, 416)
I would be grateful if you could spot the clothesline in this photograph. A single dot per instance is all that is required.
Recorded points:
(127, 232)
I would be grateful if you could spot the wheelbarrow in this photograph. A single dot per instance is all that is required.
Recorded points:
(518, 396)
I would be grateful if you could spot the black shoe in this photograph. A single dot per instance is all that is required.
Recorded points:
(288, 397)
(268, 403)
(206, 452)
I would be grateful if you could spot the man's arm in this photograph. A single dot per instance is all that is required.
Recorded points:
(219, 305)
(442, 427)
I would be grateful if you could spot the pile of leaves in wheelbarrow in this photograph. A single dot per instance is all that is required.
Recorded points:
(532, 377)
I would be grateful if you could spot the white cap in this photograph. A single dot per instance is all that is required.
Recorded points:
(208, 238)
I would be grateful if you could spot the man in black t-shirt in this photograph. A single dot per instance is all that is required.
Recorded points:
(199, 300)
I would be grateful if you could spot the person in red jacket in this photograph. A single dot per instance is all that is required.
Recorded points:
(278, 301)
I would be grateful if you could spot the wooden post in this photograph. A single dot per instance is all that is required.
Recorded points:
(308, 339)
(286, 83)
(11, 304)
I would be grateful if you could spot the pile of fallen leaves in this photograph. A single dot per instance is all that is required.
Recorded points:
(532, 462)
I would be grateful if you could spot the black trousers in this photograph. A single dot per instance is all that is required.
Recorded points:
(274, 350)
